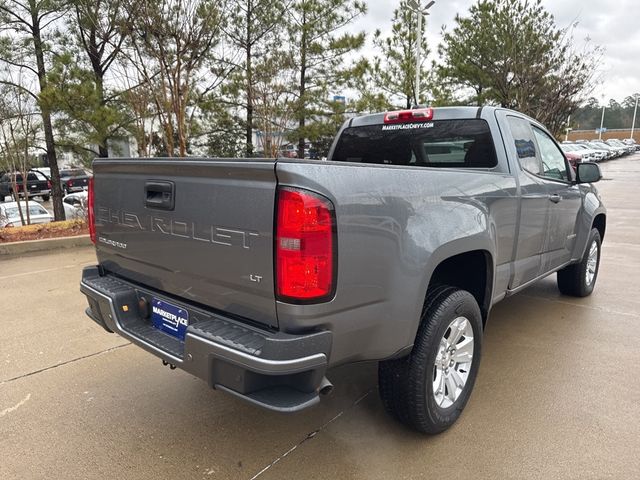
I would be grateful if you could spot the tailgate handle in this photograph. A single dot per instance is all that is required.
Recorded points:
(159, 194)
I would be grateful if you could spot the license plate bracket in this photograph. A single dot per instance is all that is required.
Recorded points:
(169, 318)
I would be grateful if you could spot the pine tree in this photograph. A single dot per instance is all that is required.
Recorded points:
(93, 39)
(394, 69)
(251, 27)
(510, 52)
(26, 50)
(319, 43)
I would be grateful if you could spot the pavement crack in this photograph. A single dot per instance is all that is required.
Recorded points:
(73, 360)
(36, 272)
(16, 406)
(313, 433)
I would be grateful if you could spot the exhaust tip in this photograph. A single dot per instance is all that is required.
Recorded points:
(326, 387)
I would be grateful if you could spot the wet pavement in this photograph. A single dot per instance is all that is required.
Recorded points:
(557, 396)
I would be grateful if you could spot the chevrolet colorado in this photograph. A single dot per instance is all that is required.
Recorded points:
(259, 275)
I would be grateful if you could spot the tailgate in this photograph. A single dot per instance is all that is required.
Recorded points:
(201, 230)
(80, 182)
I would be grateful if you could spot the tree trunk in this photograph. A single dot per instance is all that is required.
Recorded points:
(249, 131)
(47, 126)
(103, 149)
(303, 88)
(302, 120)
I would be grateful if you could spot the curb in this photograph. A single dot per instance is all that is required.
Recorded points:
(32, 246)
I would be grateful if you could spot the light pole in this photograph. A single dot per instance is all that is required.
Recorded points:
(601, 123)
(415, 6)
(635, 112)
(568, 129)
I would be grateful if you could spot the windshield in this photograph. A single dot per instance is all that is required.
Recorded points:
(34, 209)
(444, 143)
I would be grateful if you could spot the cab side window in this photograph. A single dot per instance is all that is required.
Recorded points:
(554, 165)
(525, 144)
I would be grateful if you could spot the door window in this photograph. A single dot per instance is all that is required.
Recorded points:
(525, 145)
(554, 165)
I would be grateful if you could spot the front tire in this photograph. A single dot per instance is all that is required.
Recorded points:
(429, 389)
(579, 279)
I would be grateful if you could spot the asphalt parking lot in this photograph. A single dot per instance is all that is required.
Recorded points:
(557, 396)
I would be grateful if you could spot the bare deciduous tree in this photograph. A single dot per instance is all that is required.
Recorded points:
(172, 46)
(26, 50)
(19, 129)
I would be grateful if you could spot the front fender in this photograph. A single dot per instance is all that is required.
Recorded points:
(592, 206)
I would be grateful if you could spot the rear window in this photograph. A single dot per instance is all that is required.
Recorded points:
(72, 173)
(443, 143)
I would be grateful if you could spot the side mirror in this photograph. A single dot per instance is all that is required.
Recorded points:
(588, 173)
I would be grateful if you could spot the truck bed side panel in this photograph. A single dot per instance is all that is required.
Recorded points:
(395, 224)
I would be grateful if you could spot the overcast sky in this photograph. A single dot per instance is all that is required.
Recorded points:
(613, 25)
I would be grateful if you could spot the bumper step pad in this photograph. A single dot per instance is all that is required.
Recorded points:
(275, 370)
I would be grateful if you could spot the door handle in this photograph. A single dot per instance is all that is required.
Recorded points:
(555, 198)
(159, 194)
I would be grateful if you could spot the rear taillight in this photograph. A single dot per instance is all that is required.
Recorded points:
(305, 249)
(90, 211)
(69, 183)
(49, 184)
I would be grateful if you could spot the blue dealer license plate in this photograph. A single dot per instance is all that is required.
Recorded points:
(169, 318)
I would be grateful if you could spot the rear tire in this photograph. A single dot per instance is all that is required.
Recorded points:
(579, 279)
(45, 198)
(409, 387)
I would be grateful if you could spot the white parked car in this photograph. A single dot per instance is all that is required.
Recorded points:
(611, 153)
(596, 155)
(10, 215)
(585, 155)
(632, 142)
(75, 206)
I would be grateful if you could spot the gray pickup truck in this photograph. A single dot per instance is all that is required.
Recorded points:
(257, 276)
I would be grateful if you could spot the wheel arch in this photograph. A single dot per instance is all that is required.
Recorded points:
(600, 223)
(471, 270)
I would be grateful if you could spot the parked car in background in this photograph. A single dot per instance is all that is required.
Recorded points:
(618, 143)
(618, 149)
(633, 143)
(46, 171)
(10, 215)
(573, 159)
(584, 154)
(75, 206)
(37, 185)
(289, 151)
(615, 152)
(74, 180)
(596, 154)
